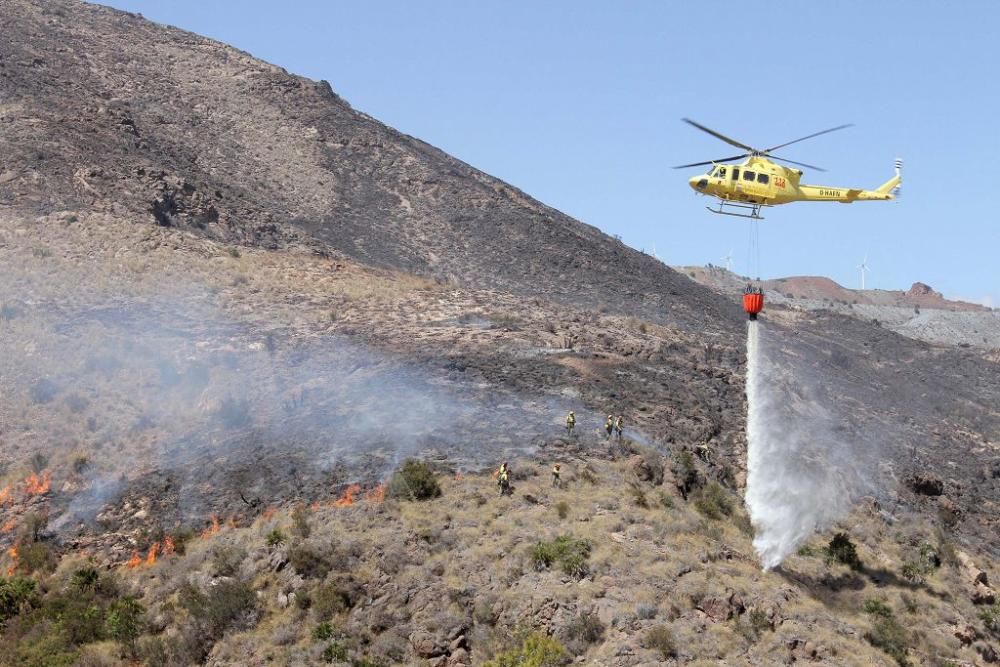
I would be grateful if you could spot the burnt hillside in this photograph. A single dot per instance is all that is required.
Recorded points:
(106, 111)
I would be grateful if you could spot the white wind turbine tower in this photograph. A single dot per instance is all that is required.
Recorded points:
(864, 267)
(729, 260)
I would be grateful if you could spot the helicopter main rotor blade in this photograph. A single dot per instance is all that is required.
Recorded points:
(801, 164)
(795, 141)
(700, 164)
(731, 142)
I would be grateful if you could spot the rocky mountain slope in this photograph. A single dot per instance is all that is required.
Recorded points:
(232, 307)
(106, 111)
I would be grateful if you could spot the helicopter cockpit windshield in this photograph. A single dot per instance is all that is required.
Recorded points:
(717, 172)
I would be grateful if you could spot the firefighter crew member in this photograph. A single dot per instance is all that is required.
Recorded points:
(555, 476)
(619, 426)
(609, 426)
(503, 478)
(570, 422)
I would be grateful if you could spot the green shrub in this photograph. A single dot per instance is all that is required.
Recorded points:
(337, 596)
(991, 618)
(227, 559)
(414, 481)
(41, 649)
(562, 509)
(714, 502)
(309, 560)
(125, 623)
(659, 638)
(335, 653)
(323, 632)
(16, 594)
(228, 604)
(877, 607)
(842, 550)
(37, 557)
(274, 538)
(888, 635)
(85, 579)
(537, 650)
(566, 551)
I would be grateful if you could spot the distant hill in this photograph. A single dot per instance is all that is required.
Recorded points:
(919, 312)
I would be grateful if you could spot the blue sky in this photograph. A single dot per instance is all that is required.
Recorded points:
(579, 104)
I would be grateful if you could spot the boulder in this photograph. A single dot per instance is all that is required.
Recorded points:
(721, 608)
(965, 633)
(975, 578)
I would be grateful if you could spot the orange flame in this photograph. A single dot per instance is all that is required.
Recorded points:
(347, 499)
(168, 545)
(36, 486)
(4, 495)
(213, 529)
(314, 507)
(269, 512)
(375, 495)
(14, 555)
(9, 526)
(151, 556)
(135, 561)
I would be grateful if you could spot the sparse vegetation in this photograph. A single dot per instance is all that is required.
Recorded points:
(537, 650)
(43, 391)
(275, 537)
(567, 552)
(886, 632)
(562, 509)
(714, 502)
(990, 616)
(659, 638)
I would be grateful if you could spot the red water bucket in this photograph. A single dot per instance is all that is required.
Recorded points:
(753, 303)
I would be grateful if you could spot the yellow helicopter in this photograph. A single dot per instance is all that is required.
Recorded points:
(758, 182)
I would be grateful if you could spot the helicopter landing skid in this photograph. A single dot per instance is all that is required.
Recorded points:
(754, 209)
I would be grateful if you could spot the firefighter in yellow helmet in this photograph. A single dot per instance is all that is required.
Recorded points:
(609, 426)
(619, 426)
(503, 478)
(555, 476)
(570, 422)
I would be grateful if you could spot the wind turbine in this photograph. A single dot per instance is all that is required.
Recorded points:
(864, 267)
(729, 260)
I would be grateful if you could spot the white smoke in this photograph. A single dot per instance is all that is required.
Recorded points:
(806, 461)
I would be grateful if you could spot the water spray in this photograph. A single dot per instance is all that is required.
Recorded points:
(806, 461)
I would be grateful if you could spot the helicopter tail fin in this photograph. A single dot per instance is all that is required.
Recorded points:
(892, 185)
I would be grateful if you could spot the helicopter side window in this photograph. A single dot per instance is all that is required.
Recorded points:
(736, 174)
(722, 172)
(748, 175)
(762, 178)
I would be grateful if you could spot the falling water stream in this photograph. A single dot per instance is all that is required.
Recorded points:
(803, 472)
